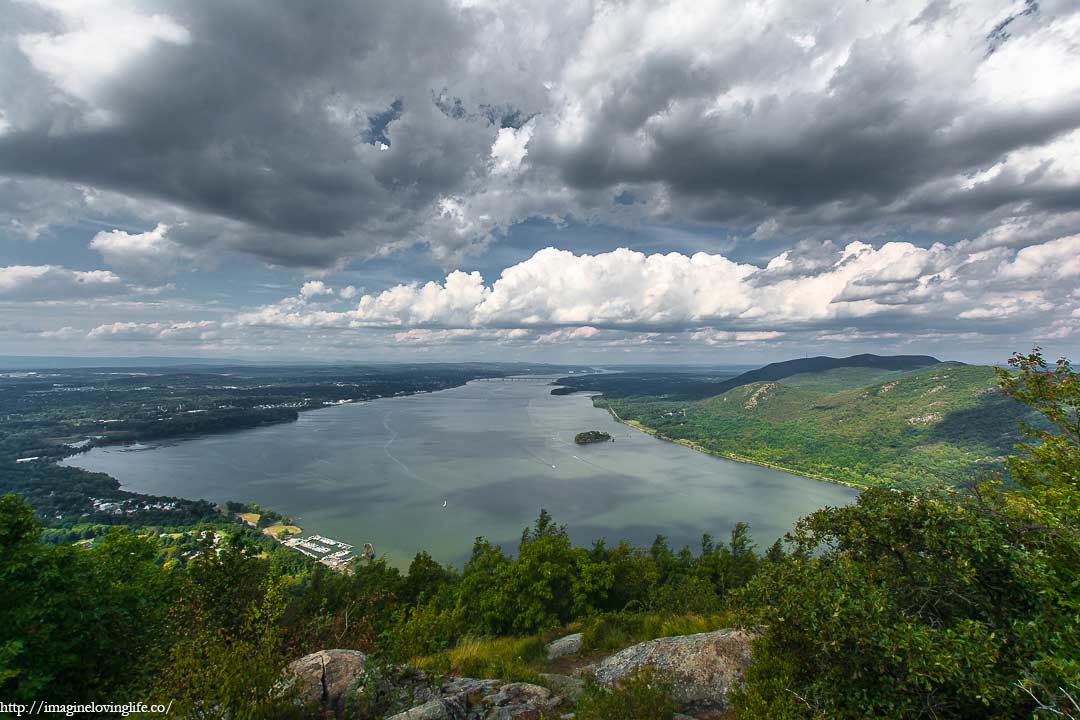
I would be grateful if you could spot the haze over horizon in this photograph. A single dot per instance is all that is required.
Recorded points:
(594, 182)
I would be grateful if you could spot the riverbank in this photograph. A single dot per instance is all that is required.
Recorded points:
(729, 456)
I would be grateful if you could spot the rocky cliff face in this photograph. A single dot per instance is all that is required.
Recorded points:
(341, 684)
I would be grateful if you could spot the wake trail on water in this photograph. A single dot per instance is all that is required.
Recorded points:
(620, 473)
(405, 468)
(537, 458)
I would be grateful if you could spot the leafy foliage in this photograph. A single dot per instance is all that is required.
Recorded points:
(1048, 463)
(77, 622)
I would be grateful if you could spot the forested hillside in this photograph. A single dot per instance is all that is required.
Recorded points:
(872, 427)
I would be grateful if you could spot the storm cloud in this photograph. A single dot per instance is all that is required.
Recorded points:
(838, 164)
(345, 129)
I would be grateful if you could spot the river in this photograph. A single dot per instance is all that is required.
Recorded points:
(494, 452)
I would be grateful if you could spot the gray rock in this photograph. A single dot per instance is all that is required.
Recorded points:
(469, 686)
(564, 685)
(327, 676)
(519, 701)
(568, 645)
(434, 709)
(702, 667)
(400, 688)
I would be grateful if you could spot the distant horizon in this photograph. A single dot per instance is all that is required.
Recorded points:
(17, 362)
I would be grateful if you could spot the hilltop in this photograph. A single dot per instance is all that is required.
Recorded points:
(701, 384)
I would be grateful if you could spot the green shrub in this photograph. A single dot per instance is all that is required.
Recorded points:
(506, 658)
(645, 695)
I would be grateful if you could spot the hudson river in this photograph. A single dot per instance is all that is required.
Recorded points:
(494, 452)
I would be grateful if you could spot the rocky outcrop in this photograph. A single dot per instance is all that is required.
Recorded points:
(568, 645)
(434, 709)
(518, 701)
(341, 683)
(702, 667)
(461, 699)
(327, 677)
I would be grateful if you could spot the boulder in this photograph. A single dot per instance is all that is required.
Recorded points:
(434, 709)
(335, 681)
(326, 677)
(568, 645)
(462, 700)
(701, 667)
(519, 701)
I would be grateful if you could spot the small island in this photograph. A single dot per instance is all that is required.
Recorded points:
(592, 436)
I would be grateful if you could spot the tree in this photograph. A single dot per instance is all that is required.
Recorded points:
(78, 623)
(235, 672)
(1047, 466)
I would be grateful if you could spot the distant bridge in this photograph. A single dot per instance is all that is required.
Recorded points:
(525, 379)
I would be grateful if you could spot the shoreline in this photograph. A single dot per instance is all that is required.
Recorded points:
(727, 456)
(150, 444)
(165, 440)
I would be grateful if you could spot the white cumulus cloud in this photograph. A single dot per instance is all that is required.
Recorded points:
(52, 282)
(150, 256)
(898, 283)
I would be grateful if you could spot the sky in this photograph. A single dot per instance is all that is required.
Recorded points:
(607, 182)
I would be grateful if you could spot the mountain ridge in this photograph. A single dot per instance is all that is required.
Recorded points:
(822, 363)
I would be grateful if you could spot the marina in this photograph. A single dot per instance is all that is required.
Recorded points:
(332, 553)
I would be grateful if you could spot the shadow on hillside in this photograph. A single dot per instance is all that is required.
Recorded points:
(994, 422)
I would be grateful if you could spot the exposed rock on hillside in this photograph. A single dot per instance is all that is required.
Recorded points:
(702, 667)
(467, 699)
(564, 646)
(327, 676)
(335, 682)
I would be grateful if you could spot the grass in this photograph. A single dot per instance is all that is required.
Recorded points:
(522, 659)
(277, 530)
(251, 519)
(612, 632)
(506, 658)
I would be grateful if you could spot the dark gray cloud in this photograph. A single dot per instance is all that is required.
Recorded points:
(268, 115)
(870, 170)
(760, 131)
(309, 133)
